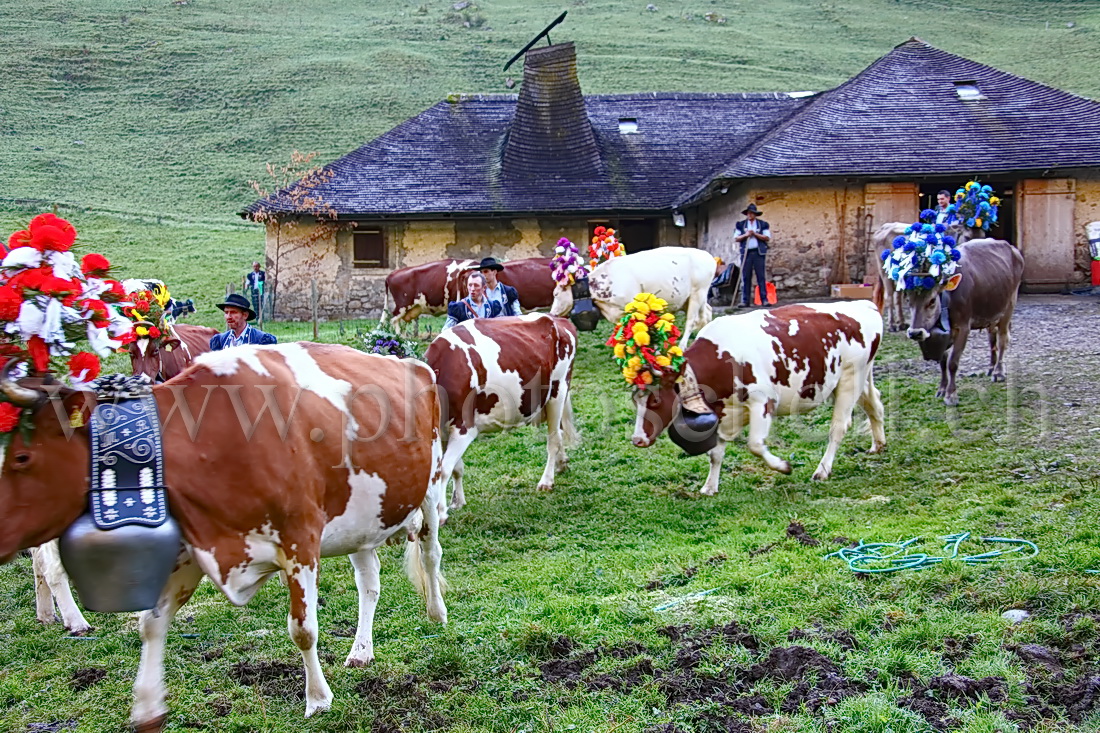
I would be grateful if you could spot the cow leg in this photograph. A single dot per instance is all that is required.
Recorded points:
(301, 623)
(716, 455)
(871, 402)
(570, 437)
(760, 425)
(691, 320)
(457, 443)
(951, 395)
(555, 455)
(998, 343)
(51, 584)
(367, 582)
(424, 558)
(149, 707)
(844, 399)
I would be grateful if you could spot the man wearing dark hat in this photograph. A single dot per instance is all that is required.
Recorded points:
(497, 291)
(239, 331)
(474, 305)
(753, 235)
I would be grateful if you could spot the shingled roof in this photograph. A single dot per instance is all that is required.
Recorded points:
(447, 160)
(906, 115)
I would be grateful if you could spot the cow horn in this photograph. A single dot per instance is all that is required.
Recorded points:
(14, 393)
(147, 324)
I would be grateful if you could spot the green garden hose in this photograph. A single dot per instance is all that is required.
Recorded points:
(890, 557)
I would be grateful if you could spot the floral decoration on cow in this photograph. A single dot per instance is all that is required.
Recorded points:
(145, 309)
(605, 245)
(388, 343)
(56, 314)
(644, 341)
(567, 266)
(922, 257)
(975, 205)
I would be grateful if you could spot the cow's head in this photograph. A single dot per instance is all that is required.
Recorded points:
(926, 308)
(675, 402)
(43, 471)
(563, 301)
(155, 358)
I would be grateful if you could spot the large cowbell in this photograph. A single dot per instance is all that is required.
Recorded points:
(934, 346)
(694, 432)
(585, 315)
(121, 552)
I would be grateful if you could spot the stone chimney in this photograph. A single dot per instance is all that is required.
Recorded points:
(550, 134)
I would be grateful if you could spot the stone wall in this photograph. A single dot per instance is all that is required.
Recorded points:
(815, 225)
(1087, 209)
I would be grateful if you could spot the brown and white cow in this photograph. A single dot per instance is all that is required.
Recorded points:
(981, 294)
(161, 359)
(750, 368)
(427, 288)
(276, 456)
(500, 373)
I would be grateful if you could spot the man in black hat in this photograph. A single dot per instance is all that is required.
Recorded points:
(497, 291)
(238, 313)
(753, 235)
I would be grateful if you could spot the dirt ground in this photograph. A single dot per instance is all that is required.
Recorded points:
(1054, 353)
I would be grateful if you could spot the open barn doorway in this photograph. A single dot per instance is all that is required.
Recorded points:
(1005, 228)
(636, 235)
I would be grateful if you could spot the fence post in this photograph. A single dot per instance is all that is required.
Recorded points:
(313, 305)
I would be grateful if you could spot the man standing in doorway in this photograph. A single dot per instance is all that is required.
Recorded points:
(753, 235)
(943, 216)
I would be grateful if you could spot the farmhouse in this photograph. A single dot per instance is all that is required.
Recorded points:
(507, 175)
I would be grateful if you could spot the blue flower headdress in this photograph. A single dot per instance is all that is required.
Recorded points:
(976, 206)
(923, 257)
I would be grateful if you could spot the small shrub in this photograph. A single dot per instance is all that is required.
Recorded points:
(383, 341)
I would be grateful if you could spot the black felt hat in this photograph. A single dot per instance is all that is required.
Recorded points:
(490, 263)
(751, 209)
(236, 300)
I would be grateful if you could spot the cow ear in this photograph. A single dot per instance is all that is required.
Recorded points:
(170, 344)
(953, 281)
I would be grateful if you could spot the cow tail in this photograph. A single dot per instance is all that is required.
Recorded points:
(385, 305)
(433, 513)
(570, 437)
(878, 293)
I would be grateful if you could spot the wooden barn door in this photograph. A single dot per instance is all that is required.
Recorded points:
(1044, 225)
(886, 202)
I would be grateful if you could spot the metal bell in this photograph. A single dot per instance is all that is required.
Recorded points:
(121, 569)
(585, 314)
(694, 433)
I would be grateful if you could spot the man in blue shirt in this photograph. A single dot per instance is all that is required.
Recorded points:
(497, 291)
(239, 332)
(474, 305)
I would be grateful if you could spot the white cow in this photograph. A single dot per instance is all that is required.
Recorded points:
(679, 275)
(501, 373)
(52, 584)
(747, 369)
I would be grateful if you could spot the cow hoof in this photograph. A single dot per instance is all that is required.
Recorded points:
(951, 400)
(784, 467)
(708, 490)
(81, 631)
(877, 449)
(156, 725)
(998, 377)
(357, 663)
(820, 475)
(546, 487)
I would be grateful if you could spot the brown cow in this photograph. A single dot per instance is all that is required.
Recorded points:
(276, 457)
(427, 288)
(501, 373)
(981, 294)
(161, 359)
(750, 368)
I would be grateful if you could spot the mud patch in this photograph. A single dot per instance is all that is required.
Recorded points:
(796, 531)
(789, 663)
(82, 679)
(272, 679)
(567, 671)
(399, 704)
(956, 650)
(829, 690)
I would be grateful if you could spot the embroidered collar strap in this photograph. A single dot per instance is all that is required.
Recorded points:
(127, 471)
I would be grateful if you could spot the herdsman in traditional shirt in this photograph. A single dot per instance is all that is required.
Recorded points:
(239, 331)
(497, 291)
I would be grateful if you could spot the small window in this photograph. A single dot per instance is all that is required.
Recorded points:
(369, 249)
(968, 91)
(628, 125)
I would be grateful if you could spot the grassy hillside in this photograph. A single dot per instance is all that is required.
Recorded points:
(170, 107)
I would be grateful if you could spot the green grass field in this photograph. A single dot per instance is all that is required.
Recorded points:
(606, 604)
(169, 108)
